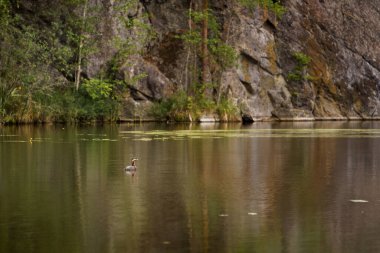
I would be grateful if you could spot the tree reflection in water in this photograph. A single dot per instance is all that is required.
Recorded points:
(195, 191)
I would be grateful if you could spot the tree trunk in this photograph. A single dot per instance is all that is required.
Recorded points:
(190, 23)
(81, 41)
(205, 62)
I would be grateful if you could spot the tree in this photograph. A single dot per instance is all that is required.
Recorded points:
(80, 46)
(204, 38)
(205, 27)
(24, 68)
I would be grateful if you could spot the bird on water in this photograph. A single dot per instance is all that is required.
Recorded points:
(133, 166)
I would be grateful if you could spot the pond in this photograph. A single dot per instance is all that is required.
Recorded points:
(265, 187)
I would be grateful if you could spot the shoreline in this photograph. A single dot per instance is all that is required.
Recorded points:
(202, 121)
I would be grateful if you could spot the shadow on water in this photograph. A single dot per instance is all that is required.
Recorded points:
(266, 187)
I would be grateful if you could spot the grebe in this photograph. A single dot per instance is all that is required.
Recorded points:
(133, 166)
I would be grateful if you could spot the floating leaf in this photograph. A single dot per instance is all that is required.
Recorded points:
(13, 141)
(143, 139)
(131, 132)
(359, 201)
(195, 137)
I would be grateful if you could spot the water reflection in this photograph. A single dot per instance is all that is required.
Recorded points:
(67, 191)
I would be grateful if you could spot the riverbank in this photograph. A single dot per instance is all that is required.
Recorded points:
(207, 119)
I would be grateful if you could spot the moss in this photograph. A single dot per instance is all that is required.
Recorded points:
(272, 57)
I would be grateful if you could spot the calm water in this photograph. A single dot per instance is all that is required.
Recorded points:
(212, 188)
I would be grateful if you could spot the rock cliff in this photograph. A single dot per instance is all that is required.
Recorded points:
(342, 81)
(341, 38)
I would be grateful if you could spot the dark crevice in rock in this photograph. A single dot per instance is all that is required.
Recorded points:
(247, 86)
(139, 95)
(269, 26)
(275, 116)
(254, 61)
(247, 119)
(249, 57)
(270, 72)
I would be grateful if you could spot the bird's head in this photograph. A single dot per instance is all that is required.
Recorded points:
(134, 161)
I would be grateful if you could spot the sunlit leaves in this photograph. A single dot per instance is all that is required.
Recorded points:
(97, 88)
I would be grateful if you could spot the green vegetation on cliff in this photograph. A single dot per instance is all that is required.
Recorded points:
(46, 47)
(299, 73)
(204, 41)
(42, 58)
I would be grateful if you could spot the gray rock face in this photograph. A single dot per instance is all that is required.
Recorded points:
(341, 37)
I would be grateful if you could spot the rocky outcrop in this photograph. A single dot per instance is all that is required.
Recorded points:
(344, 70)
(341, 37)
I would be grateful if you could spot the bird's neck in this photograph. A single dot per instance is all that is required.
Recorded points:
(133, 163)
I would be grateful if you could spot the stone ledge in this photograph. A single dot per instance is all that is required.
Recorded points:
(209, 118)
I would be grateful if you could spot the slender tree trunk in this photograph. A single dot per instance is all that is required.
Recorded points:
(205, 62)
(190, 23)
(2, 104)
(81, 42)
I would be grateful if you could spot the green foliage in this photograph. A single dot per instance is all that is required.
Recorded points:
(181, 107)
(24, 72)
(302, 59)
(299, 72)
(97, 88)
(222, 54)
(177, 107)
(191, 37)
(201, 101)
(39, 60)
(226, 108)
(4, 12)
(199, 16)
(274, 6)
(72, 106)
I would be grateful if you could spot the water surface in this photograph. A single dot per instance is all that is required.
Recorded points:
(266, 187)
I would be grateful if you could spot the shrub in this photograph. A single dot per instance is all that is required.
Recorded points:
(299, 72)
